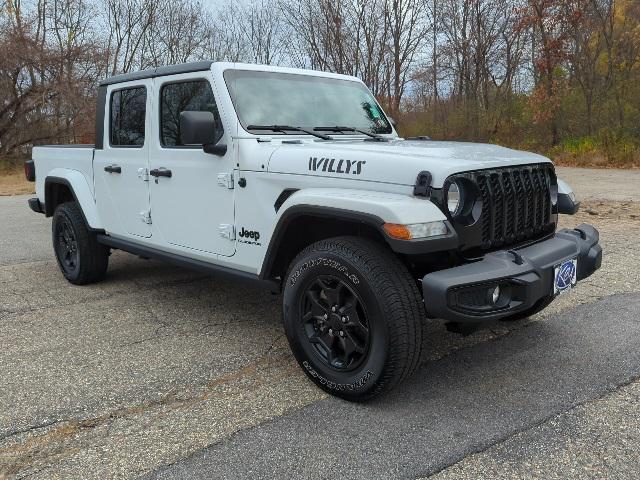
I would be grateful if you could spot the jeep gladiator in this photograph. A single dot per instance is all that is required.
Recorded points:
(297, 180)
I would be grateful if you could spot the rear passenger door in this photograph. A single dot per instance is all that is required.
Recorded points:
(120, 167)
(193, 207)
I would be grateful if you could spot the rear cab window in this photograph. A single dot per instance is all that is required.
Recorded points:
(127, 113)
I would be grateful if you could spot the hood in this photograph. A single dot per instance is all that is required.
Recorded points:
(397, 161)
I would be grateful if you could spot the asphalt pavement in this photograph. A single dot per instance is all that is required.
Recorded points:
(453, 407)
(24, 235)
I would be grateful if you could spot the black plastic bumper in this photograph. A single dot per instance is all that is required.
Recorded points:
(35, 205)
(567, 205)
(525, 277)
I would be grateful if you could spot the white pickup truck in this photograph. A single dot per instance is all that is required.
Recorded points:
(297, 179)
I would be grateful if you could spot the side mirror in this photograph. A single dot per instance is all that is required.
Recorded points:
(393, 123)
(199, 128)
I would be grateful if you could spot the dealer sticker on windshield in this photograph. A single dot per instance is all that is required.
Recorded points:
(565, 276)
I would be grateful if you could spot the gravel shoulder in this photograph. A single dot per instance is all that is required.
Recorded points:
(602, 184)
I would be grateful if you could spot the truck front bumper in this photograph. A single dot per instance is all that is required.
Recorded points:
(525, 278)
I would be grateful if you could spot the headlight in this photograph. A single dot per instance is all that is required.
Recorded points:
(453, 198)
(415, 230)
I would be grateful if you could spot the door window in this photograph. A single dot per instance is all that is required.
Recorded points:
(192, 96)
(128, 109)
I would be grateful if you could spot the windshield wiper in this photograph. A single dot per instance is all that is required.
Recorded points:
(288, 128)
(379, 138)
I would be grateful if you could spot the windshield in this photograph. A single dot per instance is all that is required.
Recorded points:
(307, 101)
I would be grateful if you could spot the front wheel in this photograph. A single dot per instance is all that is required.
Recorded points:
(80, 257)
(353, 317)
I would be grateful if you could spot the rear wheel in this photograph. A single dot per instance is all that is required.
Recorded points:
(80, 257)
(353, 317)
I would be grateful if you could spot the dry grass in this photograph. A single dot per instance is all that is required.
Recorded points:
(602, 151)
(12, 182)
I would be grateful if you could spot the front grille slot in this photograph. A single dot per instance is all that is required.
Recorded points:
(516, 204)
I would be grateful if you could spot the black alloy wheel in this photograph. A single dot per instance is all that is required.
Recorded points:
(81, 258)
(334, 321)
(66, 245)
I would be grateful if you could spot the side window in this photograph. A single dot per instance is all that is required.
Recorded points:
(193, 96)
(128, 109)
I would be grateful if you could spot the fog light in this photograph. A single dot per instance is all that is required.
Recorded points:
(495, 294)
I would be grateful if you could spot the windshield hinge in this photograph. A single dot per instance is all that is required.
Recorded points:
(225, 180)
(143, 174)
(145, 216)
(227, 231)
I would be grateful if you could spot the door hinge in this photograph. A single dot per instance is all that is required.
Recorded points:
(227, 231)
(143, 174)
(225, 180)
(145, 216)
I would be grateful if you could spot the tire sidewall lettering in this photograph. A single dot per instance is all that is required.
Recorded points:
(361, 382)
(325, 262)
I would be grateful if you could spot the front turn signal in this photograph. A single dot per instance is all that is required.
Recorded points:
(401, 232)
(415, 231)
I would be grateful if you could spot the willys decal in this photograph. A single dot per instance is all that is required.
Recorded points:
(334, 165)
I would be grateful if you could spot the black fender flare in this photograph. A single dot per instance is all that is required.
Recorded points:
(50, 204)
(408, 247)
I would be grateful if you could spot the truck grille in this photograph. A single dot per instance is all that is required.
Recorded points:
(516, 206)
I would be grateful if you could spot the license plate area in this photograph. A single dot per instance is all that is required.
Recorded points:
(565, 276)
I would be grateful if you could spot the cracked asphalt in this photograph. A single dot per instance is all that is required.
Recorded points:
(166, 373)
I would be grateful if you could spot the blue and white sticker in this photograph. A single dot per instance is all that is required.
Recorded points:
(565, 276)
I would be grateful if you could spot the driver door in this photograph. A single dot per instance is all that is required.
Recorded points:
(191, 208)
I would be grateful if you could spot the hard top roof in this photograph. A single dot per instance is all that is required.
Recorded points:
(158, 72)
(206, 65)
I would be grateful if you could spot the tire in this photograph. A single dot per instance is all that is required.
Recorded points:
(378, 317)
(80, 257)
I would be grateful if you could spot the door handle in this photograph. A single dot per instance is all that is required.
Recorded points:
(113, 169)
(160, 172)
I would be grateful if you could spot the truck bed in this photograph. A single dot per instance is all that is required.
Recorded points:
(49, 158)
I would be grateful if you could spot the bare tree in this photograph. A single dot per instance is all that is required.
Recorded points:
(48, 73)
(408, 30)
(180, 32)
(325, 32)
(372, 36)
(548, 23)
(478, 69)
(252, 33)
(587, 34)
(128, 23)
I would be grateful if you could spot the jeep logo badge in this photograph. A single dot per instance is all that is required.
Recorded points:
(250, 234)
